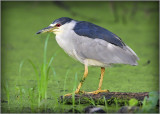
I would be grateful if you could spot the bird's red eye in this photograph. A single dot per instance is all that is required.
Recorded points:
(58, 25)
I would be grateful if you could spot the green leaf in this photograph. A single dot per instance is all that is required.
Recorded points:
(133, 102)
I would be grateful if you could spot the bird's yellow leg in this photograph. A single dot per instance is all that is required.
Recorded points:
(100, 83)
(81, 82)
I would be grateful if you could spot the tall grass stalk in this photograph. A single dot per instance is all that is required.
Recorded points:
(64, 88)
(105, 103)
(54, 93)
(43, 80)
(92, 101)
(73, 93)
(6, 89)
(32, 98)
(55, 76)
(65, 80)
(116, 102)
(20, 70)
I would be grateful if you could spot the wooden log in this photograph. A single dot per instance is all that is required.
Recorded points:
(106, 97)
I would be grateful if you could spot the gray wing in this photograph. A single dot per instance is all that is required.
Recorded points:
(105, 52)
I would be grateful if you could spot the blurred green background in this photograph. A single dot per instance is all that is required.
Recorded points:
(136, 23)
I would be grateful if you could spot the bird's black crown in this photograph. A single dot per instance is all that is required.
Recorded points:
(62, 20)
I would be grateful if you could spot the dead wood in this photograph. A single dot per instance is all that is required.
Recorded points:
(106, 97)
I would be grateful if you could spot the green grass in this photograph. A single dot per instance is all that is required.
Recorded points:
(20, 22)
(42, 79)
(6, 91)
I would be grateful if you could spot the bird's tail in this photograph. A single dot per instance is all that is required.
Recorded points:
(133, 55)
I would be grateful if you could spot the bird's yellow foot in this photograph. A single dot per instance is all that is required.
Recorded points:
(69, 94)
(76, 92)
(98, 91)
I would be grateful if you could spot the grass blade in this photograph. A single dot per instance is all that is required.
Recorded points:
(45, 49)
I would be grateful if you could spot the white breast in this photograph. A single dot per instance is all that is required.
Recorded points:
(65, 38)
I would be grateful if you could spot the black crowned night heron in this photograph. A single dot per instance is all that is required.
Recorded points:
(90, 44)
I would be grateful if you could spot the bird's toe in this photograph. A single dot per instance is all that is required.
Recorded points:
(98, 91)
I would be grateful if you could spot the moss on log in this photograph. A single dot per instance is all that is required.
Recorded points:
(120, 98)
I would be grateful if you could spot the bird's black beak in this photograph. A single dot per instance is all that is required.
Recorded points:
(46, 29)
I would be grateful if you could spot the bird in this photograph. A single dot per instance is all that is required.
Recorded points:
(91, 45)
